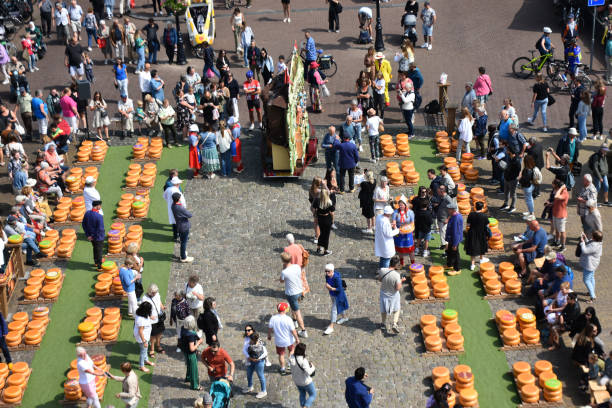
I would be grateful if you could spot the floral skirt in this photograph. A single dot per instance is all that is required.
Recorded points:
(210, 160)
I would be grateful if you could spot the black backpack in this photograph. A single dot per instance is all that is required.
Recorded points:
(432, 107)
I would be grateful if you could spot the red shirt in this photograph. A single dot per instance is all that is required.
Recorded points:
(559, 209)
(217, 362)
(251, 86)
(295, 251)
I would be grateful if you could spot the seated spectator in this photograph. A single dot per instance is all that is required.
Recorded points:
(554, 304)
(48, 181)
(586, 345)
(532, 248)
(56, 163)
(588, 317)
(14, 227)
(61, 139)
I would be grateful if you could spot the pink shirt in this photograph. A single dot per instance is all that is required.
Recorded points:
(483, 86)
(67, 104)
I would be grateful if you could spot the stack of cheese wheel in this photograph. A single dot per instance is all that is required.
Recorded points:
(386, 143)
(41, 313)
(454, 339)
(35, 329)
(394, 174)
(88, 331)
(490, 279)
(454, 173)
(155, 148)
(457, 371)
(450, 161)
(442, 142)
(439, 285)
(72, 390)
(100, 386)
(463, 202)
(115, 242)
(531, 335)
(16, 383)
(98, 152)
(77, 211)
(468, 397)
(139, 209)
(440, 376)
(111, 268)
(435, 270)
(464, 166)
(73, 182)
(467, 157)
(403, 146)
(146, 181)
(149, 170)
(139, 151)
(512, 283)
(134, 235)
(17, 328)
(449, 316)
(553, 390)
(408, 167)
(117, 288)
(53, 280)
(47, 247)
(84, 152)
(471, 175)
(66, 245)
(464, 381)
(412, 177)
(124, 209)
(94, 315)
(34, 284)
(110, 324)
(420, 287)
(431, 333)
(525, 382)
(62, 209)
(103, 285)
(99, 361)
(91, 171)
(454, 142)
(133, 175)
(4, 373)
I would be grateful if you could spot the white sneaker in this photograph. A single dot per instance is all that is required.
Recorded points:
(6, 82)
(288, 20)
(472, 267)
(334, 227)
(284, 20)
(329, 330)
(89, 49)
(530, 121)
(373, 160)
(429, 46)
(252, 126)
(189, 259)
(544, 129)
(366, 231)
(303, 334)
(426, 253)
(178, 350)
(212, 176)
(342, 320)
(360, 149)
(250, 389)
(483, 260)
(417, 251)
(260, 125)
(268, 363)
(261, 394)
(424, 45)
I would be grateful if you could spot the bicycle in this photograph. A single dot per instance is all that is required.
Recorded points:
(560, 80)
(327, 65)
(231, 3)
(524, 67)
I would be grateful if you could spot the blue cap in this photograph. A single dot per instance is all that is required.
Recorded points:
(123, 95)
(249, 74)
(570, 16)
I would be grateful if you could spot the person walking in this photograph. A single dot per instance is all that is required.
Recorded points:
(181, 217)
(440, 202)
(429, 17)
(384, 245)
(333, 15)
(291, 276)
(590, 256)
(332, 155)
(598, 164)
(302, 372)
(257, 354)
(390, 287)
(348, 159)
(335, 285)
(236, 20)
(152, 42)
(93, 226)
(465, 132)
(597, 109)
(356, 393)
(374, 125)
(527, 183)
(87, 377)
(194, 293)
(286, 11)
(477, 235)
(142, 333)
(539, 100)
(511, 175)
(170, 41)
(130, 391)
(482, 86)
(217, 360)
(208, 321)
(285, 335)
(403, 219)
(323, 207)
(189, 343)
(168, 193)
(454, 236)
(366, 201)
(128, 277)
(582, 113)
(407, 97)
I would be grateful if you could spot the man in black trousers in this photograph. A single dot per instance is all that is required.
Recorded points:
(93, 226)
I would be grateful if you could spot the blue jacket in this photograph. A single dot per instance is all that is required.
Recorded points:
(416, 77)
(481, 125)
(349, 155)
(454, 230)
(328, 141)
(170, 38)
(126, 276)
(357, 394)
(504, 129)
(181, 216)
(93, 225)
(3, 326)
(348, 130)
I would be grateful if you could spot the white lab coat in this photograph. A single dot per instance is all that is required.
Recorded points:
(90, 194)
(168, 197)
(384, 247)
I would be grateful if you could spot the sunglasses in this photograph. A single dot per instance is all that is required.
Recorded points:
(248, 330)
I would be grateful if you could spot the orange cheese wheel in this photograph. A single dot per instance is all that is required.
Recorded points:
(112, 311)
(433, 343)
(428, 320)
(12, 392)
(20, 317)
(94, 311)
(4, 370)
(430, 331)
(545, 376)
(440, 372)
(35, 325)
(20, 367)
(542, 366)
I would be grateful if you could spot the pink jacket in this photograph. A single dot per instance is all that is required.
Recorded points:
(483, 86)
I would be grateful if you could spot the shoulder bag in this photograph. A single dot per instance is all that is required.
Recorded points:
(302, 368)
(305, 256)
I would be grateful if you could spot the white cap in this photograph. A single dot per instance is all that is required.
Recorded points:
(329, 267)
(20, 199)
(231, 120)
(89, 179)
(31, 182)
(387, 210)
(547, 30)
(176, 180)
(194, 128)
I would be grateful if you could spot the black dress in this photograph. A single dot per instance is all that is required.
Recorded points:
(476, 241)
(209, 324)
(366, 199)
(325, 221)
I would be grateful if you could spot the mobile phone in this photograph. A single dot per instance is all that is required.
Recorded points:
(106, 373)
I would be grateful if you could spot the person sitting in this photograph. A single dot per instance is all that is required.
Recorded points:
(570, 313)
(532, 248)
(48, 180)
(14, 227)
(554, 304)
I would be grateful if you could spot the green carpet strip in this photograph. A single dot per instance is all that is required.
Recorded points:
(51, 361)
(488, 363)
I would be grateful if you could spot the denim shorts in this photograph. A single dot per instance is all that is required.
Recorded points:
(428, 30)
(423, 235)
(293, 301)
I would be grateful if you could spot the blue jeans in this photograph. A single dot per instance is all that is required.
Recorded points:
(588, 277)
(357, 139)
(257, 367)
(141, 59)
(91, 33)
(143, 355)
(334, 310)
(332, 156)
(539, 105)
(529, 198)
(33, 59)
(30, 246)
(582, 128)
(153, 53)
(212, 68)
(600, 184)
(226, 162)
(184, 237)
(375, 147)
(384, 262)
(123, 86)
(312, 394)
(408, 119)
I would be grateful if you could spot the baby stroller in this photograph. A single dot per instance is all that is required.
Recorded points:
(221, 392)
(365, 21)
(409, 24)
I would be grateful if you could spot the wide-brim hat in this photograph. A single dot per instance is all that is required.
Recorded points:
(379, 55)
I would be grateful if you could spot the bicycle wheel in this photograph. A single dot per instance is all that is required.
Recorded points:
(522, 67)
(332, 69)
(586, 82)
